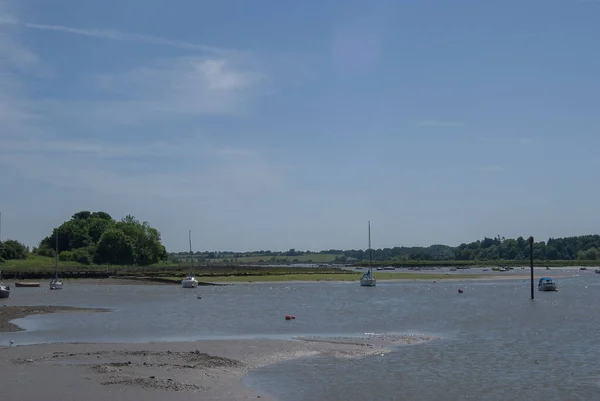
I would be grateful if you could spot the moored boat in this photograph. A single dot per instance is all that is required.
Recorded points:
(26, 284)
(56, 283)
(4, 288)
(190, 281)
(367, 279)
(546, 284)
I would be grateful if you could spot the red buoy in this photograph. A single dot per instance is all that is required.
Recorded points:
(287, 317)
(293, 317)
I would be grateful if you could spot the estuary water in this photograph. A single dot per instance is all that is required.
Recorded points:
(494, 342)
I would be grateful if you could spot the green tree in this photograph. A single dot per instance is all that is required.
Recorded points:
(11, 249)
(114, 247)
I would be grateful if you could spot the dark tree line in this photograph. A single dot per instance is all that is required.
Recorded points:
(584, 247)
(95, 237)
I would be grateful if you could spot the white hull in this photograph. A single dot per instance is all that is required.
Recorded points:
(368, 282)
(186, 283)
(4, 291)
(56, 285)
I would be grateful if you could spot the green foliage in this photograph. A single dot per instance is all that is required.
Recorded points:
(494, 249)
(11, 249)
(95, 237)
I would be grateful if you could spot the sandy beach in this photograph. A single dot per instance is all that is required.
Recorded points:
(207, 370)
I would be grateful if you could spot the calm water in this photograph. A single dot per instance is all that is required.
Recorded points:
(495, 343)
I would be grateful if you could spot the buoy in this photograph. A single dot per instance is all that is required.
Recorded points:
(460, 291)
(288, 317)
(293, 317)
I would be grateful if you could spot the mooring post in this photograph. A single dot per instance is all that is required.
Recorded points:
(531, 264)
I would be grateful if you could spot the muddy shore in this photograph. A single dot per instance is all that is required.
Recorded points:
(8, 313)
(208, 369)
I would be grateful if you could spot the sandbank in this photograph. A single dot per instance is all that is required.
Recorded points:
(207, 369)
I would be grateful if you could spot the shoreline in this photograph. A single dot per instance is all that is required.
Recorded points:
(208, 369)
(566, 271)
(10, 312)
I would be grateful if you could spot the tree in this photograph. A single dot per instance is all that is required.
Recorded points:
(91, 236)
(114, 247)
(11, 249)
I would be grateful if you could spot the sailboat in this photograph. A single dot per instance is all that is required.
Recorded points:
(367, 279)
(190, 281)
(56, 283)
(4, 288)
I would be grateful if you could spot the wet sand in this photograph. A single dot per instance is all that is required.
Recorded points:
(8, 313)
(207, 370)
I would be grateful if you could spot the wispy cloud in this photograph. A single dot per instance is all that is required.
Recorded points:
(440, 123)
(124, 36)
(177, 87)
(167, 167)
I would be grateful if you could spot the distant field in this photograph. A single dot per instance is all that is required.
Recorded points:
(41, 264)
(307, 258)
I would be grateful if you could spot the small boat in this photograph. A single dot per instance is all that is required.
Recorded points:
(190, 281)
(26, 284)
(4, 288)
(546, 284)
(597, 271)
(56, 283)
(367, 279)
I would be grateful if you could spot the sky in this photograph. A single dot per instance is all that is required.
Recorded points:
(277, 125)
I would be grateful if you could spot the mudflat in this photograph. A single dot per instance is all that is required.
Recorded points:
(207, 369)
(8, 313)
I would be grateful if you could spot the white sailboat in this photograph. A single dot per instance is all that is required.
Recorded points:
(56, 283)
(367, 279)
(4, 288)
(190, 281)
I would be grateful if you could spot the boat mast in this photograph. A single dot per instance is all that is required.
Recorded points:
(191, 254)
(56, 255)
(370, 250)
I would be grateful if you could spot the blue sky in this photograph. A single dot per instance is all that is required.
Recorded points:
(277, 125)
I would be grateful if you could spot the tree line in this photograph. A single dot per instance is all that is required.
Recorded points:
(95, 237)
(583, 247)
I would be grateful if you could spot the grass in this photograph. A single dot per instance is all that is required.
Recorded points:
(307, 258)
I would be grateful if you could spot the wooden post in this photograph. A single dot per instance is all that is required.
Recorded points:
(531, 265)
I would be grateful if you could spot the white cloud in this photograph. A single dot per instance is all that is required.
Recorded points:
(184, 86)
(89, 153)
(138, 168)
(440, 123)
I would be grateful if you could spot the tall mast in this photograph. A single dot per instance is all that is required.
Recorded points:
(370, 250)
(191, 254)
(56, 254)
